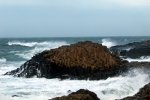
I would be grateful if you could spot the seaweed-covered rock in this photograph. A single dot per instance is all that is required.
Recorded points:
(81, 60)
(143, 94)
(79, 95)
(132, 50)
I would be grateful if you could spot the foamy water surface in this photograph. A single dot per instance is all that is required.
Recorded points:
(43, 89)
(13, 88)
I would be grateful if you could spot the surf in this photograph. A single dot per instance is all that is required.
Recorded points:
(37, 47)
(108, 42)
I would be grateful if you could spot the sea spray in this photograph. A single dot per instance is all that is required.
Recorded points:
(108, 42)
(109, 89)
(37, 47)
(13, 88)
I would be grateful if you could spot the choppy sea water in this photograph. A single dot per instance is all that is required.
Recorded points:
(15, 51)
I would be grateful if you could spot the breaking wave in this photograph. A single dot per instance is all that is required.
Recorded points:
(6, 66)
(39, 47)
(43, 89)
(108, 42)
(34, 44)
(141, 59)
(28, 44)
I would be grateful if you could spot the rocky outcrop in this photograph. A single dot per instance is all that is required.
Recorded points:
(143, 94)
(132, 50)
(81, 60)
(79, 95)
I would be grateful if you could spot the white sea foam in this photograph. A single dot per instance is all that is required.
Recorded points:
(39, 48)
(44, 89)
(33, 44)
(3, 97)
(3, 60)
(108, 42)
(141, 59)
(8, 66)
(28, 44)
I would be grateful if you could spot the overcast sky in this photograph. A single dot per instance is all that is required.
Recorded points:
(67, 18)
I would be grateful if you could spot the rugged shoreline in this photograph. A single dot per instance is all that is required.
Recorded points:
(86, 60)
(83, 60)
(143, 94)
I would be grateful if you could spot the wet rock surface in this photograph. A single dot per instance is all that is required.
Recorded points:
(136, 64)
(79, 95)
(132, 50)
(81, 60)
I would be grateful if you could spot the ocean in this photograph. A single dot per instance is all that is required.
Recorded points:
(15, 51)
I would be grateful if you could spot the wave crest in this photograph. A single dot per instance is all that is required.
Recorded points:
(39, 47)
(32, 44)
(141, 59)
(28, 44)
(108, 42)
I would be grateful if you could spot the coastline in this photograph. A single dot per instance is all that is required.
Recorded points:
(114, 85)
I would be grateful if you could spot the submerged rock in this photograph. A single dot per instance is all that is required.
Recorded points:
(133, 50)
(81, 60)
(143, 94)
(79, 95)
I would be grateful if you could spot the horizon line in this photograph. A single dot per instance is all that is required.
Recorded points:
(77, 36)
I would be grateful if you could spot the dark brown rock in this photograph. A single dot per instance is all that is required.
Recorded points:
(83, 54)
(81, 60)
(143, 94)
(79, 95)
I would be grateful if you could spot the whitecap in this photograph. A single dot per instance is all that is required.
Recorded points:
(108, 42)
(39, 48)
(28, 44)
(33, 44)
(141, 59)
(8, 66)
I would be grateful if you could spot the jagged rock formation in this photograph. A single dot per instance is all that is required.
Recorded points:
(81, 60)
(79, 95)
(132, 50)
(143, 94)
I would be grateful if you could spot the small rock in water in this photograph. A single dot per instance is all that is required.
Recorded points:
(79, 95)
(15, 96)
